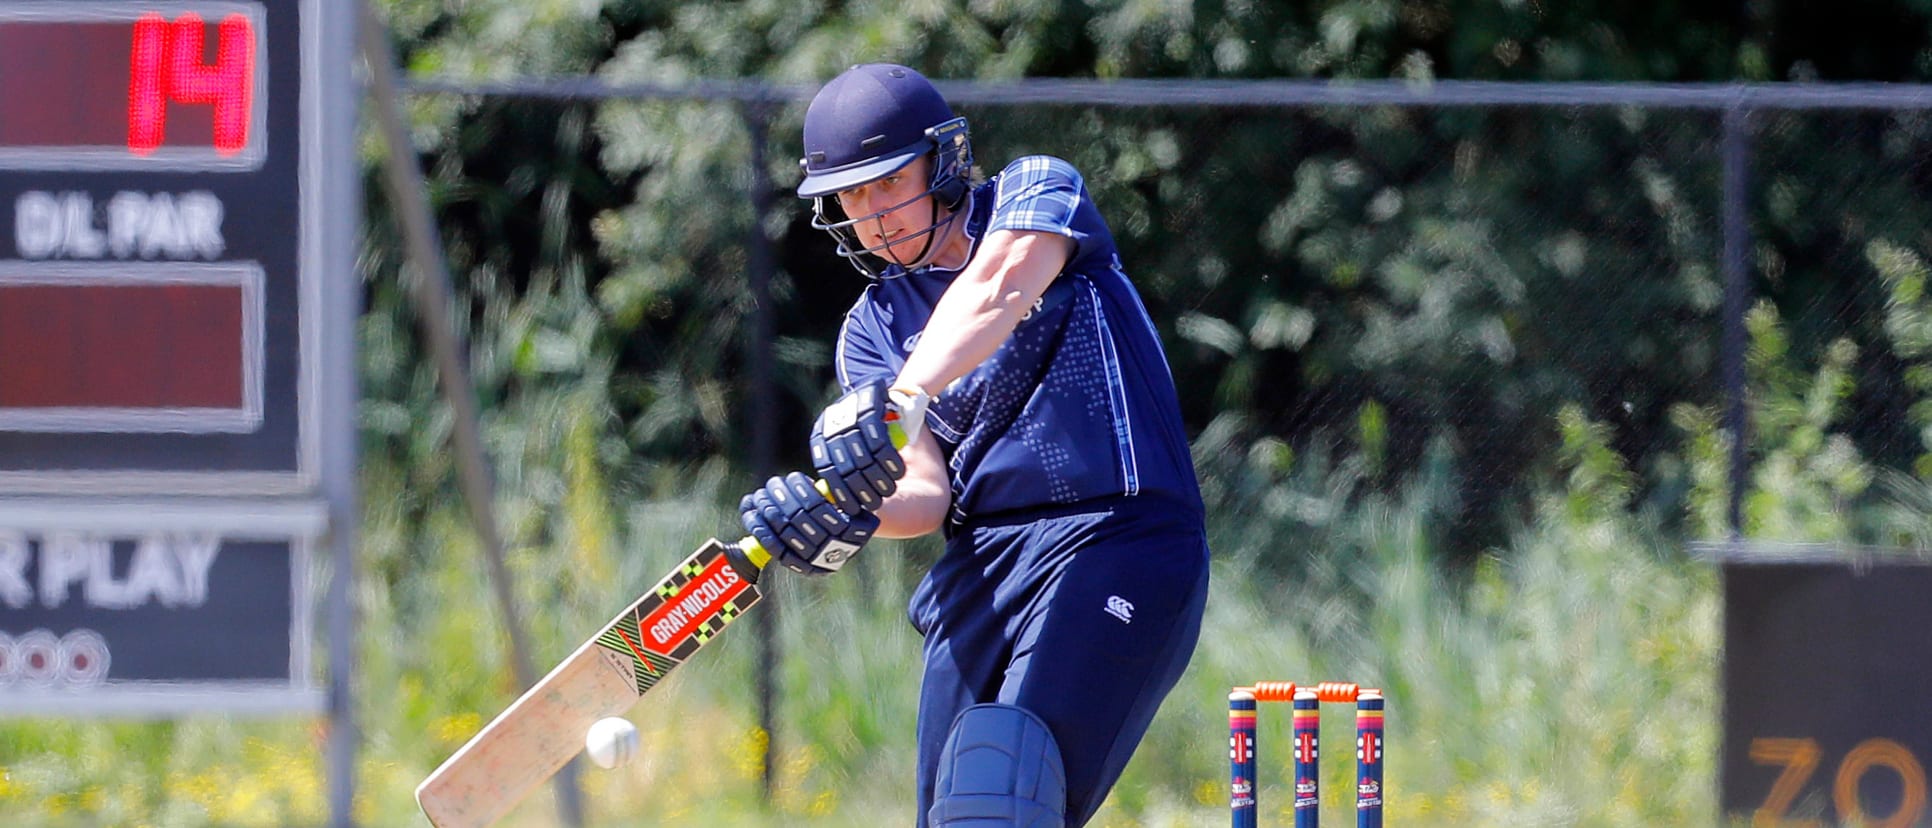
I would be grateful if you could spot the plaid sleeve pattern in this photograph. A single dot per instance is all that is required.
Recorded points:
(1038, 193)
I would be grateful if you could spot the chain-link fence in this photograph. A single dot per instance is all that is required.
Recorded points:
(1460, 295)
(1389, 266)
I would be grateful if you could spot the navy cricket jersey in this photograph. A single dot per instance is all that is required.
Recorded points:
(1077, 404)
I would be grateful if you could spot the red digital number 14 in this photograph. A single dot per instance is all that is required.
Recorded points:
(166, 65)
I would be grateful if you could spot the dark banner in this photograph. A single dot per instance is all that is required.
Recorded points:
(1827, 693)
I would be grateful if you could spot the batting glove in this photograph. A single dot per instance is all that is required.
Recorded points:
(795, 522)
(853, 447)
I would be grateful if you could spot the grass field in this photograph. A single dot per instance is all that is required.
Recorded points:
(1566, 680)
(1566, 677)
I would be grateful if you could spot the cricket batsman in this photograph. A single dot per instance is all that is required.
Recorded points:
(1001, 339)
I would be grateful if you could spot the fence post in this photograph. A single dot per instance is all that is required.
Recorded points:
(339, 95)
(1736, 212)
(763, 455)
(434, 299)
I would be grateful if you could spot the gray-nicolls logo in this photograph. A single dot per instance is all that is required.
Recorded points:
(1119, 608)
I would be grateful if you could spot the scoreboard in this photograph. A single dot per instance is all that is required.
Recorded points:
(163, 308)
(152, 287)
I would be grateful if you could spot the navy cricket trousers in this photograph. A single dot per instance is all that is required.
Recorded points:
(1084, 615)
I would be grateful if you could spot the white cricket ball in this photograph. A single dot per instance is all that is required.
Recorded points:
(611, 742)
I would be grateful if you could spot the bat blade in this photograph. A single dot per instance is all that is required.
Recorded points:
(544, 728)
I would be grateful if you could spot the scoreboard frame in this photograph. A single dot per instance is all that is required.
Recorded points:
(275, 485)
(256, 500)
(271, 444)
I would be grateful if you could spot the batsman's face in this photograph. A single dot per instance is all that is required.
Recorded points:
(905, 211)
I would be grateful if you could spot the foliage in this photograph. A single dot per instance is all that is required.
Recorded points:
(1467, 274)
(1455, 378)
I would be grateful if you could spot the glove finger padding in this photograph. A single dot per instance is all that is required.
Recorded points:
(752, 515)
(852, 448)
(793, 521)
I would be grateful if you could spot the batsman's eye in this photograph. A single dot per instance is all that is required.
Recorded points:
(836, 209)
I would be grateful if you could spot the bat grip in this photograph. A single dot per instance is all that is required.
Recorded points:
(754, 553)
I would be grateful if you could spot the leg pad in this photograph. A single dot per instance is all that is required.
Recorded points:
(1000, 769)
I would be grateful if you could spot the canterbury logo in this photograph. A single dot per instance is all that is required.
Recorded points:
(1119, 608)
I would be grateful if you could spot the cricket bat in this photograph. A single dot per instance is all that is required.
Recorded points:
(544, 728)
(540, 732)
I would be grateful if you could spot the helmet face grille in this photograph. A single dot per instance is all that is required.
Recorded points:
(870, 121)
(952, 154)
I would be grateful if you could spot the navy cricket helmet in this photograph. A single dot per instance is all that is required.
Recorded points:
(867, 123)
